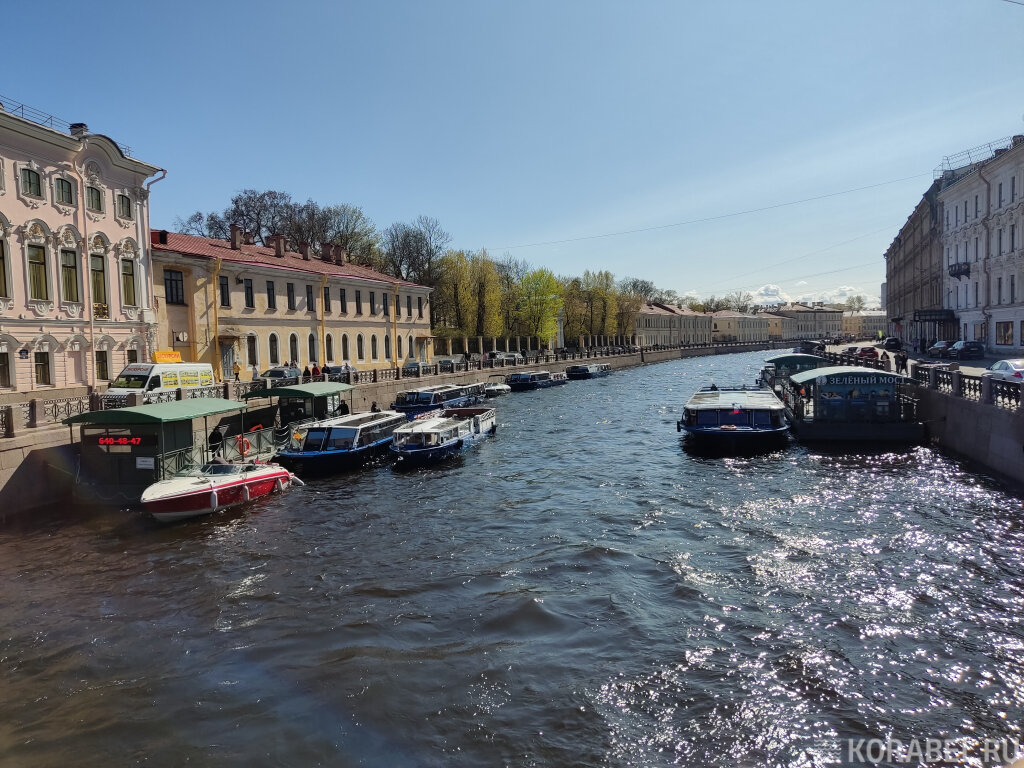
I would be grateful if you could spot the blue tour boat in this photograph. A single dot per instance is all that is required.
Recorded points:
(591, 371)
(428, 441)
(731, 417)
(340, 443)
(417, 402)
(527, 380)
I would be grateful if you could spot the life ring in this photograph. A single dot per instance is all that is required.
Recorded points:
(243, 445)
(256, 427)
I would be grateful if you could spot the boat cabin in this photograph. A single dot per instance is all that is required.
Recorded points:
(302, 402)
(779, 368)
(347, 433)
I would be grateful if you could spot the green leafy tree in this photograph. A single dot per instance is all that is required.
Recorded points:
(539, 304)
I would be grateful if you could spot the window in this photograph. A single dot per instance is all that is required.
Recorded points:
(384, 299)
(359, 346)
(1013, 238)
(174, 286)
(42, 367)
(975, 293)
(102, 366)
(373, 302)
(1013, 188)
(387, 347)
(1004, 334)
(5, 369)
(225, 291)
(344, 303)
(250, 297)
(30, 183)
(329, 343)
(251, 354)
(999, 242)
(419, 306)
(975, 206)
(128, 282)
(399, 347)
(37, 287)
(275, 358)
(359, 303)
(327, 299)
(408, 308)
(344, 346)
(93, 199)
(62, 192)
(97, 268)
(271, 295)
(975, 249)
(293, 347)
(314, 349)
(999, 290)
(310, 301)
(3, 270)
(290, 287)
(124, 206)
(1013, 288)
(69, 275)
(131, 356)
(373, 347)
(1000, 194)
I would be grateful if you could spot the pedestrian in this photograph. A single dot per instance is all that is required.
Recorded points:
(255, 372)
(305, 373)
(326, 371)
(316, 370)
(236, 369)
(374, 408)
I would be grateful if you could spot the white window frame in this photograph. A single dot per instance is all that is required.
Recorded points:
(97, 215)
(270, 350)
(124, 222)
(78, 274)
(30, 200)
(60, 204)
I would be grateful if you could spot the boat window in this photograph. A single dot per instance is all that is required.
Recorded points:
(314, 440)
(220, 469)
(736, 416)
(707, 418)
(341, 438)
(762, 418)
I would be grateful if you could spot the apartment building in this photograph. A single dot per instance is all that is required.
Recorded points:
(671, 326)
(735, 326)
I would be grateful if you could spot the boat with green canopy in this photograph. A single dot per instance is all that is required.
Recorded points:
(778, 368)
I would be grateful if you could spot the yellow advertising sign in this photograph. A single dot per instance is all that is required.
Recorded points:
(166, 356)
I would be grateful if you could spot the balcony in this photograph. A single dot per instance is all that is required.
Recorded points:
(960, 269)
(101, 312)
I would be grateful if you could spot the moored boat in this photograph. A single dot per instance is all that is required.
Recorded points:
(213, 487)
(527, 380)
(429, 441)
(341, 443)
(416, 402)
(591, 371)
(733, 416)
(496, 388)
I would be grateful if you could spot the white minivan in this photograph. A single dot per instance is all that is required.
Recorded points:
(150, 379)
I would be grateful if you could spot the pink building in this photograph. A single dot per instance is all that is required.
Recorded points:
(75, 283)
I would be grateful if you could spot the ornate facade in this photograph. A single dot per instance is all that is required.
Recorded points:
(75, 298)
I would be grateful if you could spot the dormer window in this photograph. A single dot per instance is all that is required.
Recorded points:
(30, 183)
(94, 199)
(124, 206)
(63, 192)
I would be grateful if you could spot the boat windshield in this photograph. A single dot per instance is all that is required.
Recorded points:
(342, 438)
(707, 418)
(314, 440)
(426, 398)
(220, 469)
(762, 418)
(735, 416)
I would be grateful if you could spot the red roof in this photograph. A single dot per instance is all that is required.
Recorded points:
(211, 248)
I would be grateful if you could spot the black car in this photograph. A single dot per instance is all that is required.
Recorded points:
(940, 349)
(965, 350)
(893, 344)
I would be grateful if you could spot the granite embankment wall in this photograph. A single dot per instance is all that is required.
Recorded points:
(38, 464)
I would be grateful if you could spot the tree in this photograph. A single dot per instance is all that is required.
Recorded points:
(856, 303)
(484, 282)
(739, 301)
(511, 273)
(539, 304)
(203, 225)
(645, 289)
(261, 214)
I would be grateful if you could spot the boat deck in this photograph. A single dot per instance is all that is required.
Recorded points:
(744, 398)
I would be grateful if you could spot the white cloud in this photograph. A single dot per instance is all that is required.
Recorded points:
(770, 294)
(841, 294)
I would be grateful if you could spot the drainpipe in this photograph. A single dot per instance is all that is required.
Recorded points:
(215, 341)
(394, 325)
(323, 321)
(986, 315)
(146, 244)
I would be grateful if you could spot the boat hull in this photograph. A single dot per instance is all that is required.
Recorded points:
(204, 499)
(330, 462)
(858, 431)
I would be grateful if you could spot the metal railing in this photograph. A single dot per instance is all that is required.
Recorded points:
(54, 411)
(214, 390)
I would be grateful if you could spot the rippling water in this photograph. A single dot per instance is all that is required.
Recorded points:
(578, 591)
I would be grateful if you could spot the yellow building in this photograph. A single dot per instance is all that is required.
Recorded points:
(736, 326)
(224, 302)
(671, 326)
(780, 327)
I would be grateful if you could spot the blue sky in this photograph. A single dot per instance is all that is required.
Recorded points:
(542, 129)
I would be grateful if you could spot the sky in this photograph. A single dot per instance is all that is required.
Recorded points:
(710, 147)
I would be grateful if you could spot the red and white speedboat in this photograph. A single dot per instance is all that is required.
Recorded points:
(213, 487)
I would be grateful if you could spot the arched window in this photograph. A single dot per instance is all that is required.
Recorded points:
(344, 346)
(412, 349)
(313, 349)
(330, 348)
(399, 347)
(359, 347)
(293, 348)
(387, 346)
(373, 347)
(275, 357)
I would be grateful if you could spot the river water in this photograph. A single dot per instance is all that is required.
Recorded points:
(579, 590)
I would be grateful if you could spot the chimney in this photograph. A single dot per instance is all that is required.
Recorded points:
(327, 251)
(304, 250)
(78, 130)
(248, 238)
(163, 236)
(279, 242)
(340, 255)
(236, 237)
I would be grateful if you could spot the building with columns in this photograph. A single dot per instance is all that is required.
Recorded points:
(982, 214)
(75, 286)
(228, 301)
(671, 326)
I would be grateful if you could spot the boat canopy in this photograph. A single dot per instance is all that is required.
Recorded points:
(795, 360)
(159, 413)
(312, 389)
(840, 375)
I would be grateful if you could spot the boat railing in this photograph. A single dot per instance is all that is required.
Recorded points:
(175, 462)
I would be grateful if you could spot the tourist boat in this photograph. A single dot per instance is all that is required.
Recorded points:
(852, 403)
(429, 441)
(416, 402)
(778, 368)
(527, 380)
(591, 371)
(341, 443)
(212, 487)
(731, 417)
(496, 388)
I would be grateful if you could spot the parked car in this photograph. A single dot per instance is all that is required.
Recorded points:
(892, 344)
(965, 350)
(851, 350)
(867, 353)
(940, 349)
(1007, 370)
(279, 375)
